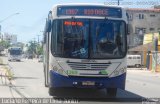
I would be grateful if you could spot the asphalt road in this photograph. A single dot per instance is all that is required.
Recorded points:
(29, 82)
(28, 78)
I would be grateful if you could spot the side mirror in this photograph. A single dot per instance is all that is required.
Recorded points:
(48, 26)
(49, 22)
(128, 29)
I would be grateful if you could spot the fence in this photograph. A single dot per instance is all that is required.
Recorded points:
(154, 61)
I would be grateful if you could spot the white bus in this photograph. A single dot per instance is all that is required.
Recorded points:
(14, 54)
(85, 46)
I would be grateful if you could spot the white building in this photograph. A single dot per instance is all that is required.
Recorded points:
(10, 37)
(142, 21)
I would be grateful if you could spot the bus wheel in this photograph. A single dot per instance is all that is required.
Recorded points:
(137, 65)
(52, 91)
(112, 92)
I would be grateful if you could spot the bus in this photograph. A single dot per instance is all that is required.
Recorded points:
(14, 54)
(85, 46)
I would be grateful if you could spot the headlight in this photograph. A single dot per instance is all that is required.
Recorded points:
(119, 71)
(123, 70)
(59, 70)
(116, 73)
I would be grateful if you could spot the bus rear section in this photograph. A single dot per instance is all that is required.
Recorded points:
(14, 54)
(85, 46)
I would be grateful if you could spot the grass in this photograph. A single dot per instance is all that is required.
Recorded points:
(8, 72)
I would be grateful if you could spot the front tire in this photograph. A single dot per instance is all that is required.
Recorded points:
(112, 92)
(137, 65)
(56, 91)
(52, 91)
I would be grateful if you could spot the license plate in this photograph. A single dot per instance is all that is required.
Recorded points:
(88, 83)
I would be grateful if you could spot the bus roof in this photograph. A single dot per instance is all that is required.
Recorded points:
(86, 4)
(14, 47)
(116, 12)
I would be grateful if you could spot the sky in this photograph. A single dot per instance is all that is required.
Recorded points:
(30, 21)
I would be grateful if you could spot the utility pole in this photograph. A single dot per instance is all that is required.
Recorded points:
(118, 2)
(34, 47)
(38, 39)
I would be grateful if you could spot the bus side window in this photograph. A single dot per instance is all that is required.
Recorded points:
(138, 58)
(54, 36)
(134, 57)
(129, 57)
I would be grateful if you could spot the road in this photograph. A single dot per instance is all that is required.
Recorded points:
(28, 78)
(29, 83)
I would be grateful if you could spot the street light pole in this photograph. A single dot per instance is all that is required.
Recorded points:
(6, 19)
(9, 17)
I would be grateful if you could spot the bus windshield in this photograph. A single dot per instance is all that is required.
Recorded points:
(15, 52)
(89, 38)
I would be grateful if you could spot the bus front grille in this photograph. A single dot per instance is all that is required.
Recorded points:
(88, 66)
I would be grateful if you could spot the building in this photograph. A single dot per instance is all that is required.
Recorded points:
(10, 37)
(142, 21)
(157, 6)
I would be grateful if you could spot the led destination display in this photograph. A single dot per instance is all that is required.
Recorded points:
(89, 11)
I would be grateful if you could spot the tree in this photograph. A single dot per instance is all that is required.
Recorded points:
(32, 47)
(39, 50)
(5, 44)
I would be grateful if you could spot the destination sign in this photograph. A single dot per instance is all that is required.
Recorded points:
(89, 11)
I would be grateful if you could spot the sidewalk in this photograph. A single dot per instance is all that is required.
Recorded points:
(144, 72)
(6, 90)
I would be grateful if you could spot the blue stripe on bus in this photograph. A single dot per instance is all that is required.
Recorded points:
(58, 81)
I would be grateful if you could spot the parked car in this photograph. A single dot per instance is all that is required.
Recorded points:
(134, 61)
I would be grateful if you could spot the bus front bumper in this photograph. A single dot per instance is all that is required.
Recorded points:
(60, 81)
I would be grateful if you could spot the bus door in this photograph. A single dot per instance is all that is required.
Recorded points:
(46, 51)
